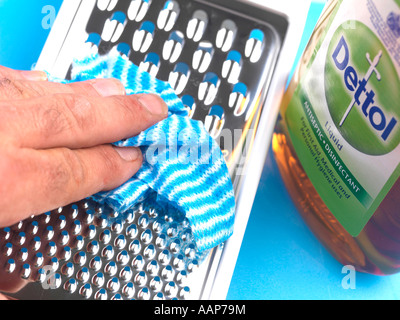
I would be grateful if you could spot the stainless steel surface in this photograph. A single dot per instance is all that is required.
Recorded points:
(86, 251)
(220, 57)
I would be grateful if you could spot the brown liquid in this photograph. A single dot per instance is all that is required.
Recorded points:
(377, 248)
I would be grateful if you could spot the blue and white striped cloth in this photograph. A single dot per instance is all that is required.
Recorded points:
(184, 169)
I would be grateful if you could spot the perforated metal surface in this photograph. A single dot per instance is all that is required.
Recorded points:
(219, 56)
(92, 252)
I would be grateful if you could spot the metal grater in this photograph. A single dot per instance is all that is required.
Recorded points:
(220, 57)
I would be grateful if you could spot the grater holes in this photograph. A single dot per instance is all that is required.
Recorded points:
(179, 77)
(149, 252)
(189, 104)
(161, 241)
(138, 9)
(143, 37)
(98, 279)
(232, 67)
(66, 253)
(156, 284)
(254, 45)
(157, 255)
(95, 264)
(173, 46)
(168, 273)
(117, 226)
(238, 99)
(126, 273)
(5, 233)
(110, 268)
(138, 262)
(123, 257)
(146, 236)
(184, 293)
(101, 294)
(143, 294)
(152, 267)
(156, 227)
(67, 269)
(90, 47)
(7, 249)
(128, 290)
(124, 49)
(151, 64)
(159, 296)
(113, 284)
(108, 5)
(226, 35)
(164, 257)
(168, 16)
(171, 289)
(140, 278)
(181, 277)
(114, 27)
(51, 249)
(208, 89)
(143, 221)
(86, 290)
(203, 56)
(22, 255)
(214, 121)
(120, 242)
(36, 243)
(197, 25)
(135, 246)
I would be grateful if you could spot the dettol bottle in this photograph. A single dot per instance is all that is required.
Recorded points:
(338, 133)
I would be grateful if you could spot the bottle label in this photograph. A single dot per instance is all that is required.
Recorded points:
(344, 117)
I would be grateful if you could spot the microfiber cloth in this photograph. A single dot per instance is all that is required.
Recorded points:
(184, 170)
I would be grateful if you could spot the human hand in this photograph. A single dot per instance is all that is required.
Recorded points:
(55, 140)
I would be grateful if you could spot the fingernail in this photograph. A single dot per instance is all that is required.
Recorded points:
(128, 153)
(35, 75)
(108, 87)
(153, 103)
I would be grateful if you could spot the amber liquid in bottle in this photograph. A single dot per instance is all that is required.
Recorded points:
(376, 249)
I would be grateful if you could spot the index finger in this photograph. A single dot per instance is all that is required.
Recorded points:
(12, 74)
(78, 121)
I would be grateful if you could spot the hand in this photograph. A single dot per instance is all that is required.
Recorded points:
(55, 140)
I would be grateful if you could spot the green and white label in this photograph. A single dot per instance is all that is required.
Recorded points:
(344, 118)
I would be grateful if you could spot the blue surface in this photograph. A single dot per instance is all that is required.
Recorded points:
(279, 258)
(24, 27)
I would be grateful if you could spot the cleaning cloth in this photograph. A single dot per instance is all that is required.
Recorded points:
(184, 170)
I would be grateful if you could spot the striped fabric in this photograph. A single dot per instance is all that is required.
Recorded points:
(184, 170)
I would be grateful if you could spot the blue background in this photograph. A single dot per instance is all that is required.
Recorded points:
(279, 258)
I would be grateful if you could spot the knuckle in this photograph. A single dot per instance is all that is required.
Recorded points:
(111, 164)
(131, 109)
(66, 173)
(33, 89)
(6, 72)
(65, 112)
(10, 178)
(81, 110)
(74, 167)
(52, 120)
(109, 159)
(9, 88)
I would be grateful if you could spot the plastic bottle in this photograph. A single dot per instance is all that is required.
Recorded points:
(337, 138)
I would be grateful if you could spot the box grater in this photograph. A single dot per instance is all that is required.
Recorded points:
(220, 57)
